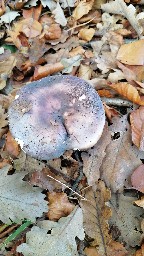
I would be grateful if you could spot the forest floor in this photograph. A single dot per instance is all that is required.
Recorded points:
(88, 202)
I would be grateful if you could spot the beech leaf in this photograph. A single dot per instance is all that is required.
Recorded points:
(121, 157)
(18, 199)
(128, 91)
(137, 125)
(59, 15)
(70, 63)
(54, 238)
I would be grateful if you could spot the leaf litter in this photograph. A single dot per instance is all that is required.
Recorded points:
(103, 44)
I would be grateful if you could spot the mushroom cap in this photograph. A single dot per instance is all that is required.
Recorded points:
(55, 114)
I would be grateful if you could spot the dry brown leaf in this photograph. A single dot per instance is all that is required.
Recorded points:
(82, 9)
(2, 7)
(132, 73)
(128, 91)
(140, 252)
(48, 69)
(132, 53)
(86, 33)
(110, 112)
(11, 146)
(96, 215)
(113, 249)
(41, 178)
(33, 12)
(91, 251)
(53, 32)
(7, 63)
(137, 178)
(92, 159)
(76, 51)
(105, 93)
(137, 125)
(94, 16)
(31, 28)
(3, 121)
(121, 157)
(85, 72)
(140, 202)
(59, 206)
(126, 219)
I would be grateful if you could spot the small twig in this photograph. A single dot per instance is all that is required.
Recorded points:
(117, 102)
(80, 25)
(67, 187)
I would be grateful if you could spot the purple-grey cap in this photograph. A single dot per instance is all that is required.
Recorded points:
(55, 114)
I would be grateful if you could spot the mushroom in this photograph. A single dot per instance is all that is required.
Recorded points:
(55, 114)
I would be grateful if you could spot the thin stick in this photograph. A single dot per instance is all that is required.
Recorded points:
(67, 187)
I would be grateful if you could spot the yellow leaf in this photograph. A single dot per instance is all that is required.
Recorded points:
(128, 91)
(83, 8)
(86, 33)
(132, 53)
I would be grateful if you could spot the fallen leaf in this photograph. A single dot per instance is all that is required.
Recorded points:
(50, 3)
(3, 121)
(96, 215)
(33, 12)
(110, 112)
(11, 146)
(121, 157)
(128, 91)
(48, 69)
(9, 16)
(92, 159)
(47, 179)
(140, 202)
(76, 51)
(82, 9)
(67, 3)
(69, 63)
(137, 125)
(132, 73)
(19, 200)
(85, 72)
(59, 206)
(140, 252)
(59, 15)
(137, 178)
(126, 218)
(86, 33)
(53, 32)
(51, 238)
(7, 63)
(120, 7)
(132, 53)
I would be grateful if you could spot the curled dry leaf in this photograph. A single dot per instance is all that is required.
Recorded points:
(48, 69)
(96, 215)
(121, 157)
(85, 72)
(120, 7)
(86, 33)
(128, 91)
(132, 73)
(31, 28)
(11, 146)
(33, 12)
(126, 218)
(82, 9)
(137, 125)
(59, 15)
(59, 206)
(140, 252)
(137, 178)
(110, 112)
(92, 159)
(132, 53)
(140, 202)
(53, 32)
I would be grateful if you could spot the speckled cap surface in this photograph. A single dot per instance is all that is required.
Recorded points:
(55, 114)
